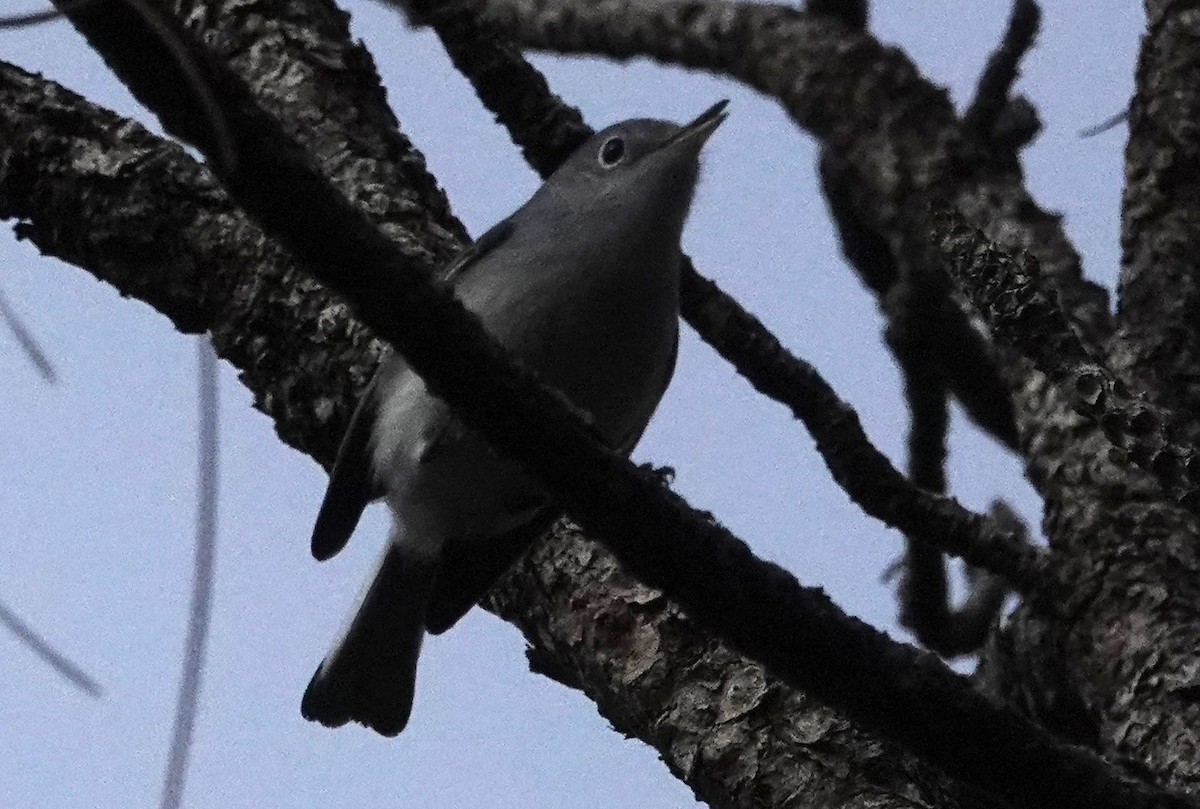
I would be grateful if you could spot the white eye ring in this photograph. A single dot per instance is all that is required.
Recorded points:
(612, 152)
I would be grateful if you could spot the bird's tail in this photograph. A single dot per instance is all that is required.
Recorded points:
(370, 674)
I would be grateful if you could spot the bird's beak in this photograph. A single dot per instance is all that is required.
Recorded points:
(698, 131)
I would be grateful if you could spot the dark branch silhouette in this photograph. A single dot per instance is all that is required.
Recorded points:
(42, 648)
(1100, 651)
(203, 576)
(28, 343)
(756, 606)
(1007, 291)
(995, 85)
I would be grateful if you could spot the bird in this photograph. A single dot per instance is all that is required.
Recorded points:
(581, 284)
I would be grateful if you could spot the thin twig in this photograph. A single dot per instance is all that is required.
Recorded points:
(14, 21)
(758, 607)
(1003, 66)
(1105, 125)
(200, 611)
(27, 341)
(42, 648)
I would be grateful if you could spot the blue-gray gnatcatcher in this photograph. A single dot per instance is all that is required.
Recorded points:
(582, 285)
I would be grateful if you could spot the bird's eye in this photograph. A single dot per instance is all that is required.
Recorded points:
(611, 152)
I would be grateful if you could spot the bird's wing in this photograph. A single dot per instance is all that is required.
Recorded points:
(497, 235)
(448, 428)
(471, 565)
(352, 482)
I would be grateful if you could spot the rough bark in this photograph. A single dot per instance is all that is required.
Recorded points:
(1159, 349)
(1125, 641)
(1109, 662)
(754, 605)
(735, 734)
(99, 191)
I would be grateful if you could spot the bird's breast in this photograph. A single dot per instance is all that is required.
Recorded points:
(601, 327)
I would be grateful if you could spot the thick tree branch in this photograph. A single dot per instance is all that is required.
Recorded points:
(1159, 315)
(722, 723)
(967, 363)
(706, 566)
(1130, 628)
(148, 204)
(1007, 293)
(529, 111)
(900, 132)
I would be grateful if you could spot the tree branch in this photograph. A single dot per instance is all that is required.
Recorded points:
(995, 85)
(100, 191)
(1159, 347)
(901, 133)
(967, 363)
(852, 13)
(726, 726)
(1007, 293)
(529, 110)
(924, 592)
(709, 570)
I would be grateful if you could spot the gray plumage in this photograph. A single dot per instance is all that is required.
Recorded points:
(582, 284)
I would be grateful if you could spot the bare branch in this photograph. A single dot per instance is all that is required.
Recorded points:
(14, 21)
(924, 593)
(529, 111)
(42, 648)
(715, 717)
(995, 85)
(545, 127)
(203, 575)
(712, 575)
(1007, 292)
(1108, 123)
(27, 341)
(858, 467)
(968, 365)
(1159, 349)
(1016, 126)
(853, 13)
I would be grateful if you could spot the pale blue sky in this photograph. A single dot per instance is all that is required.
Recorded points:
(97, 473)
